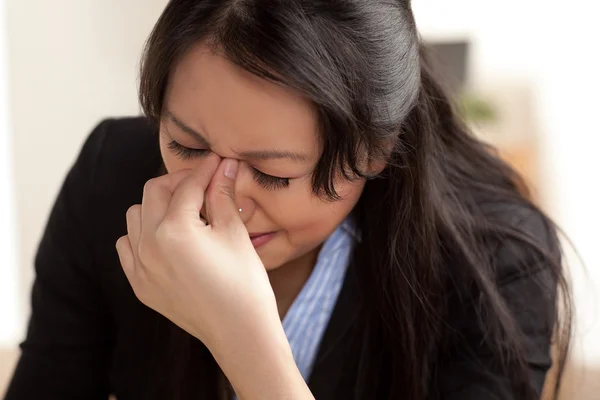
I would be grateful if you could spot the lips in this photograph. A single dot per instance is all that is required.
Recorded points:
(254, 235)
(260, 239)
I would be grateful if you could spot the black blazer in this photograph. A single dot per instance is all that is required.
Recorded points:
(85, 322)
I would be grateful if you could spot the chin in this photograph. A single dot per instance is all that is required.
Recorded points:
(273, 259)
(271, 263)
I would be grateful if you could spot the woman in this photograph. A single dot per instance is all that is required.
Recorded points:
(310, 219)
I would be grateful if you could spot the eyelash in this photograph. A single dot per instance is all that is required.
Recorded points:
(185, 153)
(268, 182)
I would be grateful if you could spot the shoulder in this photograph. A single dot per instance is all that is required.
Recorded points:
(122, 151)
(517, 297)
(118, 157)
(522, 239)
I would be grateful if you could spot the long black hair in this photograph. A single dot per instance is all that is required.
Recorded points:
(428, 238)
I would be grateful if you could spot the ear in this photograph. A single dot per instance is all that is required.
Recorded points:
(376, 167)
(378, 164)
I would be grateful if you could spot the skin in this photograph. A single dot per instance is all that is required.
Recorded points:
(236, 112)
(208, 278)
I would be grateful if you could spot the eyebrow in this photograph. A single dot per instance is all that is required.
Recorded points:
(273, 154)
(255, 154)
(187, 129)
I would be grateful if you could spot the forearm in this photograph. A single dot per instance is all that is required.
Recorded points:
(261, 366)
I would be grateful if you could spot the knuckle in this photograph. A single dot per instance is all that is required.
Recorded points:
(224, 191)
(133, 211)
(167, 231)
(151, 185)
(136, 285)
(146, 251)
(121, 242)
(139, 286)
(140, 293)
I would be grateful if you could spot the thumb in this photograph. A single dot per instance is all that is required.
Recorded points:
(222, 210)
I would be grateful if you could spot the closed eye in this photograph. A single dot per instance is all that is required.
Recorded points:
(268, 182)
(186, 153)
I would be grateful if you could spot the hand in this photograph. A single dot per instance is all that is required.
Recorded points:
(207, 279)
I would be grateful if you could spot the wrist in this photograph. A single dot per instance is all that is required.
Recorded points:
(260, 364)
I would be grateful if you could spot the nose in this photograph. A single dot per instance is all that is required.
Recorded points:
(243, 197)
(246, 207)
(243, 201)
(243, 194)
(244, 204)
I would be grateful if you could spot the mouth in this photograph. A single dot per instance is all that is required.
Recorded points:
(260, 239)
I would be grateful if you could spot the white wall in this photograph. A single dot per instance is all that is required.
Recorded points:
(552, 47)
(71, 63)
(8, 250)
(568, 105)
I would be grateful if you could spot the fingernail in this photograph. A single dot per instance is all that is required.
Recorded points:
(231, 167)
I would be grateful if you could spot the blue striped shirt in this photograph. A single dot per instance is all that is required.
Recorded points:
(306, 320)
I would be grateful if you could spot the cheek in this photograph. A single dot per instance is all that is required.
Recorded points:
(309, 220)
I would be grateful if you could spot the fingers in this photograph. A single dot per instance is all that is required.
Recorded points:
(188, 197)
(126, 256)
(222, 210)
(157, 196)
(134, 226)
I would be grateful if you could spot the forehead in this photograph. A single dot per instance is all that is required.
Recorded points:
(238, 110)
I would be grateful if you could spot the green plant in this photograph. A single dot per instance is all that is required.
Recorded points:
(474, 108)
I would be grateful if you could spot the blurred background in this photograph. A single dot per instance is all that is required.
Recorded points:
(524, 71)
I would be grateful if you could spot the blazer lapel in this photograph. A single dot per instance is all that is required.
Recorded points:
(334, 362)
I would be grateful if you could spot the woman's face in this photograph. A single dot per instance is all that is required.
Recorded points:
(212, 105)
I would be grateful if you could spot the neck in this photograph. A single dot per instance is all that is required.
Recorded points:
(287, 281)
